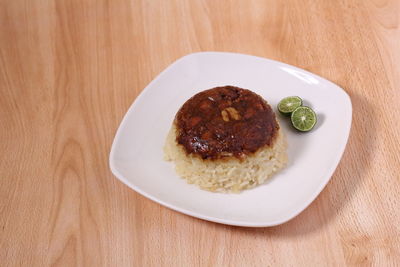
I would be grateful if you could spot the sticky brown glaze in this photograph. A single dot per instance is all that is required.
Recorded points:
(224, 122)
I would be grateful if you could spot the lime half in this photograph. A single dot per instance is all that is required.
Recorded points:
(303, 119)
(287, 105)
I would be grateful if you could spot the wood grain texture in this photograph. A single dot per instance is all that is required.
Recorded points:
(70, 69)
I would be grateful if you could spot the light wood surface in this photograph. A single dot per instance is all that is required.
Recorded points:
(70, 69)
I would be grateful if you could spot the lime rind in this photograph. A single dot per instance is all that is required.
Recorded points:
(287, 105)
(303, 119)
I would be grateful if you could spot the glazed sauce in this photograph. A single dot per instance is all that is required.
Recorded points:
(225, 122)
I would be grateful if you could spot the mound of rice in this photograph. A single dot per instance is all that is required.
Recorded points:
(230, 174)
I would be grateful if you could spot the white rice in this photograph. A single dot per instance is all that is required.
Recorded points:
(227, 175)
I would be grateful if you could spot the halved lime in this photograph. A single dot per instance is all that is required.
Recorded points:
(287, 105)
(303, 119)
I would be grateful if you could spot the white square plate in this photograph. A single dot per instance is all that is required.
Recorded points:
(136, 156)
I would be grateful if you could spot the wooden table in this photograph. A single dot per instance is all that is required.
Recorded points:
(69, 70)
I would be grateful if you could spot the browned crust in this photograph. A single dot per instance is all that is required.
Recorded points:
(225, 122)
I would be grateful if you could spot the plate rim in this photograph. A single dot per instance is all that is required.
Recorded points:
(270, 223)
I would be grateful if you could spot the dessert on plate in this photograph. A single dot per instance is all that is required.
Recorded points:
(226, 139)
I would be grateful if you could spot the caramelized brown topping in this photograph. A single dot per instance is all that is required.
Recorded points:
(225, 121)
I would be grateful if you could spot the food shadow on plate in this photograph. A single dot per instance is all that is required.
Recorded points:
(294, 151)
(341, 188)
(320, 121)
(320, 116)
(306, 103)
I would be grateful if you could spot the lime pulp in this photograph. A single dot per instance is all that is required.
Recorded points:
(287, 105)
(303, 119)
